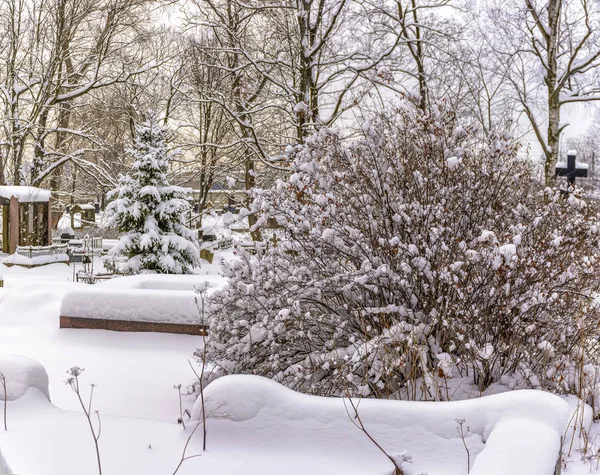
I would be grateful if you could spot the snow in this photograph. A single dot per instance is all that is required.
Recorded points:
(20, 260)
(164, 282)
(255, 426)
(142, 298)
(578, 165)
(25, 194)
(452, 162)
(142, 367)
(141, 305)
(4, 468)
(511, 433)
(87, 207)
(508, 251)
(515, 447)
(21, 374)
(64, 223)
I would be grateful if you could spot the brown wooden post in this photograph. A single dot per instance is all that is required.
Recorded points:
(13, 231)
(5, 228)
(49, 243)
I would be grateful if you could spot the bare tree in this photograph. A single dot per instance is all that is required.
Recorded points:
(207, 131)
(241, 94)
(549, 51)
(58, 52)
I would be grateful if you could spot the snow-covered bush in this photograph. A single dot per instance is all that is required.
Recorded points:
(149, 212)
(412, 253)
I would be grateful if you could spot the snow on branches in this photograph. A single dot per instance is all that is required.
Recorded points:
(410, 254)
(150, 212)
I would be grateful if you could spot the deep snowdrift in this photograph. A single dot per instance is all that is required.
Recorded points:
(18, 374)
(521, 430)
(22, 373)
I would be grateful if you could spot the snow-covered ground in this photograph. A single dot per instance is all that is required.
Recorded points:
(254, 426)
(141, 367)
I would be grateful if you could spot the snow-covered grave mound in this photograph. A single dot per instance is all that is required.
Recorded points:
(510, 433)
(136, 305)
(20, 374)
(166, 282)
(152, 298)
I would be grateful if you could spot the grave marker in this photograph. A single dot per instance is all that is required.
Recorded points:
(572, 168)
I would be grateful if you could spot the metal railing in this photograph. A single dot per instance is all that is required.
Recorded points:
(41, 251)
(87, 242)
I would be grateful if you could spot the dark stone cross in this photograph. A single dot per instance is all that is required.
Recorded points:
(572, 169)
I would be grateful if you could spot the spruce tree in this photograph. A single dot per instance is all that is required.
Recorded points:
(149, 212)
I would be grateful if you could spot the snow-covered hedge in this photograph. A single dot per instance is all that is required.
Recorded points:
(414, 255)
(521, 430)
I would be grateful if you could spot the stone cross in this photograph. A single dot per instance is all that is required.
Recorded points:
(572, 168)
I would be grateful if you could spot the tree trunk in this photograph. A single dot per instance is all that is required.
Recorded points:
(554, 127)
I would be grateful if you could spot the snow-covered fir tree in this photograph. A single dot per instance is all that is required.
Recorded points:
(150, 212)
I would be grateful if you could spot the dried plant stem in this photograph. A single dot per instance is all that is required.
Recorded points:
(185, 457)
(73, 382)
(357, 421)
(3, 382)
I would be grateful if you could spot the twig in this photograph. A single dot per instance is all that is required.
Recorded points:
(397, 469)
(183, 456)
(202, 294)
(180, 420)
(202, 421)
